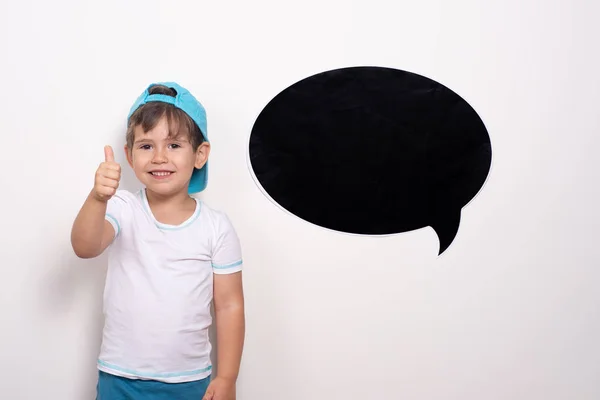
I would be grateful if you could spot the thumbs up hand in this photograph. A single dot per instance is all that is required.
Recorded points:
(108, 176)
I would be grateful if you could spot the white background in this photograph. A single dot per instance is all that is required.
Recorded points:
(510, 311)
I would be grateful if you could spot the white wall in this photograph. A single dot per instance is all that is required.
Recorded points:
(510, 311)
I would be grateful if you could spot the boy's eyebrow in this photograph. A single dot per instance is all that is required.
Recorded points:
(143, 140)
(178, 138)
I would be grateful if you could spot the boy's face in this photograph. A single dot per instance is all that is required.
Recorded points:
(164, 165)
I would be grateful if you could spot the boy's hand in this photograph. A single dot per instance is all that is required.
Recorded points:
(220, 389)
(108, 176)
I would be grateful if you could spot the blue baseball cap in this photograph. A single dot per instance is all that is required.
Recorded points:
(185, 101)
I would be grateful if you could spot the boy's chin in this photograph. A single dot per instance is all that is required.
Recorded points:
(165, 188)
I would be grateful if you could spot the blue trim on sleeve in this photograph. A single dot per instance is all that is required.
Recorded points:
(226, 266)
(113, 219)
(146, 375)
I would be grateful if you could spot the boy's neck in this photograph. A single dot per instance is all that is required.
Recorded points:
(171, 210)
(158, 200)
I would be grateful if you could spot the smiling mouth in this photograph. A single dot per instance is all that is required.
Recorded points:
(161, 174)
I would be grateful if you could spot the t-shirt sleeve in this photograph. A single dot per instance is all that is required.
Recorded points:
(227, 253)
(115, 211)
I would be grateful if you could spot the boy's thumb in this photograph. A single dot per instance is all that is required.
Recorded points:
(108, 154)
(209, 394)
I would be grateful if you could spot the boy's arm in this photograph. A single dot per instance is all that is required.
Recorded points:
(228, 299)
(91, 233)
(230, 321)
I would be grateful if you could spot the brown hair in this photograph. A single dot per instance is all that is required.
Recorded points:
(148, 116)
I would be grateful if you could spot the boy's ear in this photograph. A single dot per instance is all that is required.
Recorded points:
(128, 155)
(202, 155)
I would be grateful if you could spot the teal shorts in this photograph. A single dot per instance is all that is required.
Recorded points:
(111, 387)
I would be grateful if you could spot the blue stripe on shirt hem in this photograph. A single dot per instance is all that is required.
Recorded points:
(235, 264)
(146, 375)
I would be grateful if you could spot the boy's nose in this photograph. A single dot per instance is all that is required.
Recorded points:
(159, 157)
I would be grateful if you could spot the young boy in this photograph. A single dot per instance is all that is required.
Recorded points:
(170, 257)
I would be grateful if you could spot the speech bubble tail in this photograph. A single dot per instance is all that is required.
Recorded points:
(446, 227)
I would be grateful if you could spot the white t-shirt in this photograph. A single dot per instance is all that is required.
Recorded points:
(159, 288)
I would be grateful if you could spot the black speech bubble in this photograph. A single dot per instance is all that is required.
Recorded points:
(371, 151)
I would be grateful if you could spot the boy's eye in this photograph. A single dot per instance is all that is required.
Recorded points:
(145, 146)
(175, 145)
